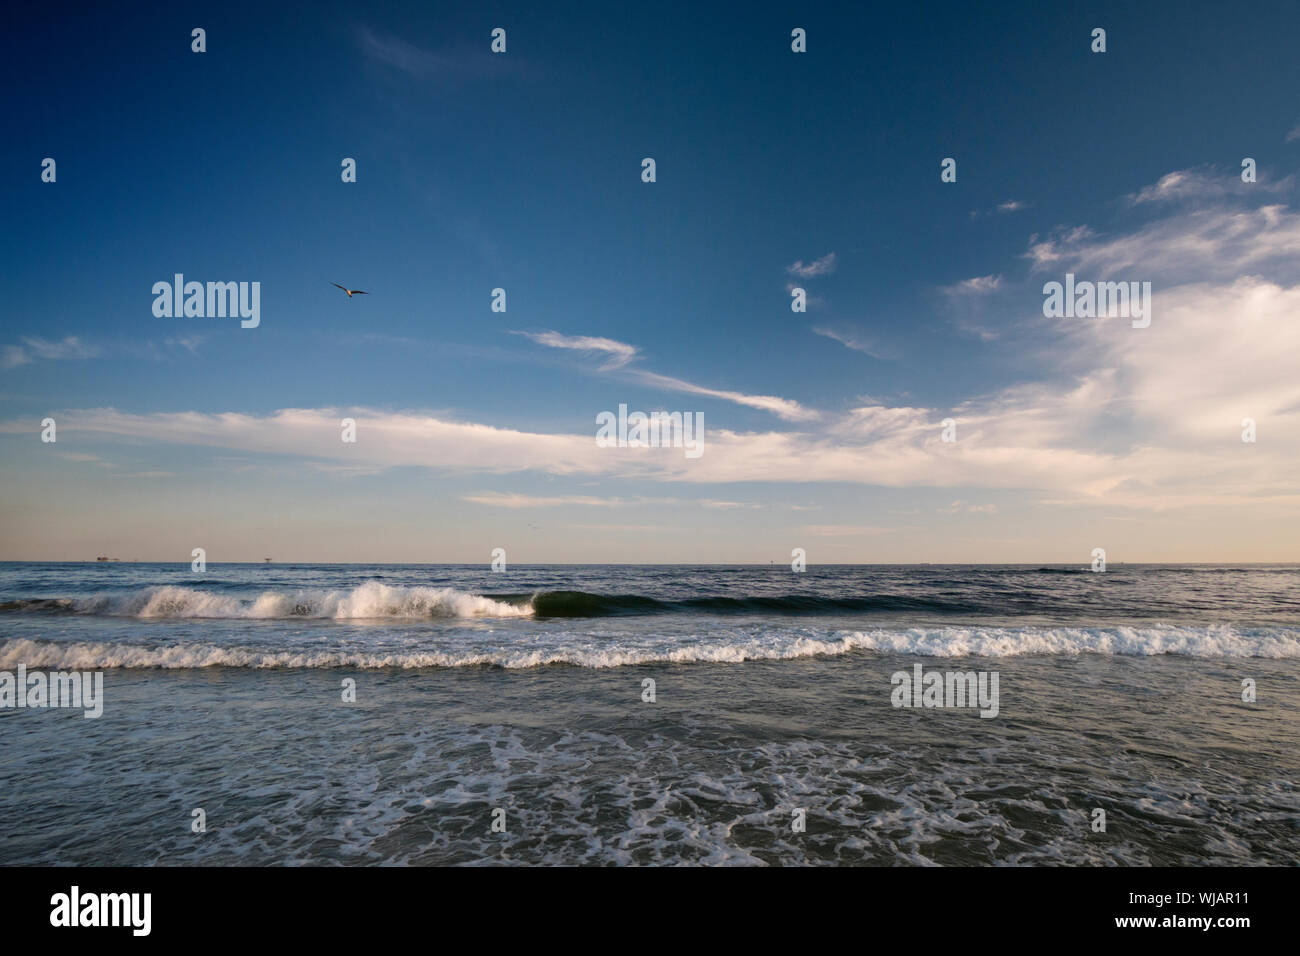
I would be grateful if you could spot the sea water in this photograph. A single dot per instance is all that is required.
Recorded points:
(433, 714)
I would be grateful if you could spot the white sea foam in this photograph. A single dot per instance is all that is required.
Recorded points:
(369, 600)
(1216, 640)
(524, 650)
(634, 797)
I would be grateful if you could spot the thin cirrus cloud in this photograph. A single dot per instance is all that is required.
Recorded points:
(818, 267)
(855, 340)
(499, 499)
(461, 62)
(1204, 184)
(619, 354)
(959, 507)
(845, 530)
(74, 348)
(34, 348)
(978, 285)
(86, 458)
(1002, 208)
(1209, 242)
(785, 408)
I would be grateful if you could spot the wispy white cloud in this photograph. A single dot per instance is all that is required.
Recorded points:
(1206, 183)
(636, 528)
(71, 347)
(1204, 243)
(189, 343)
(978, 285)
(86, 458)
(400, 54)
(785, 408)
(1176, 185)
(1002, 208)
(857, 341)
(959, 507)
(499, 499)
(818, 267)
(621, 354)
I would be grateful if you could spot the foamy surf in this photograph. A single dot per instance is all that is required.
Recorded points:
(370, 600)
(519, 651)
(1216, 640)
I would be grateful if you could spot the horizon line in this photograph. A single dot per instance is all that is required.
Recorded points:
(647, 564)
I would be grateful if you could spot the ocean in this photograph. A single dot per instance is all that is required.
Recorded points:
(601, 715)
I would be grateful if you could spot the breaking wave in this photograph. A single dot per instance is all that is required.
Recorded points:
(586, 650)
(369, 600)
(376, 600)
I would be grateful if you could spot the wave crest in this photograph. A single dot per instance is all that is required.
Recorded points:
(369, 600)
(1216, 641)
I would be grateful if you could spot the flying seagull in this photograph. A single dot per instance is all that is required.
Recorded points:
(350, 292)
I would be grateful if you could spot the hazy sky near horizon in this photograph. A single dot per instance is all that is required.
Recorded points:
(523, 171)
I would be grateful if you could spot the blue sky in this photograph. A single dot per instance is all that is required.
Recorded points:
(522, 171)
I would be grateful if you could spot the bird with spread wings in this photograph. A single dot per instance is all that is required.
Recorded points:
(350, 292)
